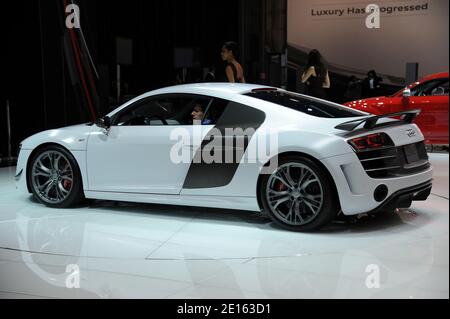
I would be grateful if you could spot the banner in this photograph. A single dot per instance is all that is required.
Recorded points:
(349, 37)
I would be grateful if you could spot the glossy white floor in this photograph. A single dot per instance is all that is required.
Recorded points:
(151, 251)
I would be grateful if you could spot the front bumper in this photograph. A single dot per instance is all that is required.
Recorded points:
(20, 178)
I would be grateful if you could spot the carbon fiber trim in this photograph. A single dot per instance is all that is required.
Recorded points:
(210, 175)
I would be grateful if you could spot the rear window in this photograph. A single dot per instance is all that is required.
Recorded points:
(305, 104)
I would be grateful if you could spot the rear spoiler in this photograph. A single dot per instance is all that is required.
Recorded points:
(371, 121)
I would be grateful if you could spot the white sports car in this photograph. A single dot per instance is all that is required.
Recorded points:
(239, 146)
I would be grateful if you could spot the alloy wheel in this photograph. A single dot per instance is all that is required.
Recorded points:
(295, 194)
(52, 177)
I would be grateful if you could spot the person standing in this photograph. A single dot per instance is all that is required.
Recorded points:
(234, 71)
(371, 84)
(316, 75)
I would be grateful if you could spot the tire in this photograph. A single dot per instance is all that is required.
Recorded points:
(305, 201)
(54, 177)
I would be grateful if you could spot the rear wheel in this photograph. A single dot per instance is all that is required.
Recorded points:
(299, 195)
(55, 178)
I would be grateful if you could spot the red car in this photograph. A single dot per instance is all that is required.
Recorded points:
(430, 94)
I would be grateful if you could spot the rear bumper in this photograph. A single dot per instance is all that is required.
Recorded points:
(356, 189)
(404, 197)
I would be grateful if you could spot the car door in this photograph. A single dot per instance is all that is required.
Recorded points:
(432, 98)
(439, 96)
(136, 154)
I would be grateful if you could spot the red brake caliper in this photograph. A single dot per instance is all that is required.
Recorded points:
(279, 186)
(67, 184)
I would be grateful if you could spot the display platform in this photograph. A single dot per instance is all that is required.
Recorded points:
(121, 250)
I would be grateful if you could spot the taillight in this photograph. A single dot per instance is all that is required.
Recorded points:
(371, 141)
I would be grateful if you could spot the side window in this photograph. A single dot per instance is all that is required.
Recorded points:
(178, 109)
(215, 111)
(441, 89)
(195, 110)
(430, 88)
(174, 109)
(141, 113)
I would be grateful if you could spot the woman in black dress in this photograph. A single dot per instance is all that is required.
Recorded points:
(316, 75)
(234, 71)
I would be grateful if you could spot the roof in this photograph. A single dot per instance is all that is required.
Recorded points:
(434, 76)
(220, 89)
(231, 88)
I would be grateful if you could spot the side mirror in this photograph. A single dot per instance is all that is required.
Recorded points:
(104, 122)
(406, 93)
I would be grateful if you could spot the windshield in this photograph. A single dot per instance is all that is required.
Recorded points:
(306, 104)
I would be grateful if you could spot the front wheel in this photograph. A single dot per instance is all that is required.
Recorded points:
(55, 178)
(299, 195)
